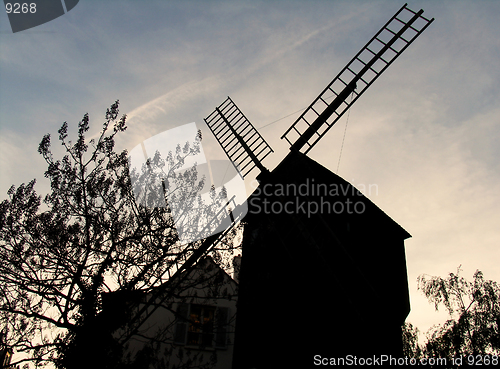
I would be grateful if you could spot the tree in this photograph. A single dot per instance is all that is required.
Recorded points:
(474, 310)
(411, 348)
(55, 264)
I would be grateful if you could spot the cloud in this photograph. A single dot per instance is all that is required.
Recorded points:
(183, 94)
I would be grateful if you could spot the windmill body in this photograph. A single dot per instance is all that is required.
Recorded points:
(328, 282)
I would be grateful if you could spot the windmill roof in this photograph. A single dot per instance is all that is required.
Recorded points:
(299, 169)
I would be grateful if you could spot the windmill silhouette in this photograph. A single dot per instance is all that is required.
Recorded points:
(318, 278)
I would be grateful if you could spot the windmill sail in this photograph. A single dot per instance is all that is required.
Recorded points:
(239, 139)
(366, 66)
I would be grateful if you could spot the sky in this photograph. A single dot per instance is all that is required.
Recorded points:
(426, 133)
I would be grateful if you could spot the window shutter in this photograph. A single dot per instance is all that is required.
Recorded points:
(221, 334)
(181, 325)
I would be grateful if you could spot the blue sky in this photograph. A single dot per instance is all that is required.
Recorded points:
(426, 132)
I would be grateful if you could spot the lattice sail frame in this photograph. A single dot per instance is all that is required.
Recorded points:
(366, 66)
(239, 139)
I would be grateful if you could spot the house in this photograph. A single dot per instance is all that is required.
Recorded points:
(323, 272)
(191, 328)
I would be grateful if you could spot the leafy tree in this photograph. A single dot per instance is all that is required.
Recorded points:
(474, 324)
(93, 237)
(411, 348)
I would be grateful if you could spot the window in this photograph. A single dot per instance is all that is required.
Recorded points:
(5, 356)
(201, 325)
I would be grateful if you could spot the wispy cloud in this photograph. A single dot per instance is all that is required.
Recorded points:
(159, 106)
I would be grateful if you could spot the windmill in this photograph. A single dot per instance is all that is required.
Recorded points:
(310, 264)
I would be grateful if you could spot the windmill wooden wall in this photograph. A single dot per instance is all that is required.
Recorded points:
(326, 284)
